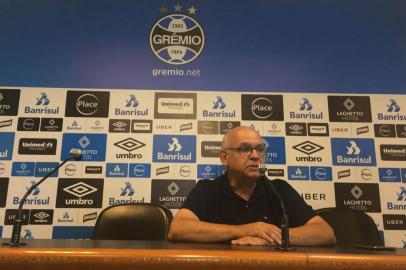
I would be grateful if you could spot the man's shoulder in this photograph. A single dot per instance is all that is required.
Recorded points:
(210, 183)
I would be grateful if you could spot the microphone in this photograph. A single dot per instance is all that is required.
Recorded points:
(285, 246)
(75, 154)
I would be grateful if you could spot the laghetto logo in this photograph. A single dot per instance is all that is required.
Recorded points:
(177, 39)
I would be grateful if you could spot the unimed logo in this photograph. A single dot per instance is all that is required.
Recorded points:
(79, 193)
(175, 149)
(87, 104)
(175, 106)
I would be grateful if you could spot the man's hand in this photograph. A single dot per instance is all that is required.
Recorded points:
(251, 241)
(268, 232)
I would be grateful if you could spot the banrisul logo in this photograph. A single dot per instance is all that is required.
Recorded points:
(6, 145)
(175, 149)
(305, 111)
(392, 112)
(353, 152)
(131, 107)
(177, 38)
(42, 105)
(219, 109)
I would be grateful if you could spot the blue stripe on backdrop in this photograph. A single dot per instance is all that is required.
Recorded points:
(281, 45)
(72, 232)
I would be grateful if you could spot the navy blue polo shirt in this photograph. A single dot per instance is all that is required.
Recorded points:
(214, 201)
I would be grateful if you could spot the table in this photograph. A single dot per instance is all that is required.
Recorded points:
(123, 255)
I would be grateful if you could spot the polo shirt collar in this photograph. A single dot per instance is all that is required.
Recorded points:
(259, 190)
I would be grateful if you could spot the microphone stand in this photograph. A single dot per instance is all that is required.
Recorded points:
(15, 235)
(285, 245)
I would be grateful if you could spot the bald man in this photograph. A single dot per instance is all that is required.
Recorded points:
(237, 206)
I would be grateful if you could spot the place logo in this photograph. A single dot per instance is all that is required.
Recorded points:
(218, 110)
(362, 197)
(298, 173)
(389, 175)
(3, 191)
(140, 170)
(207, 127)
(401, 131)
(117, 170)
(349, 109)
(41, 216)
(93, 170)
(385, 130)
(42, 103)
(393, 152)
(306, 111)
(92, 146)
(51, 124)
(89, 217)
(275, 153)
(295, 129)
(6, 123)
(321, 173)
(131, 108)
(366, 174)
(262, 107)
(362, 130)
(70, 169)
(119, 125)
(177, 39)
(37, 146)
(185, 171)
(353, 152)
(9, 101)
(44, 168)
(129, 145)
(28, 123)
(87, 104)
(226, 126)
(23, 169)
(392, 112)
(175, 105)
(79, 193)
(308, 148)
(174, 149)
(170, 193)
(317, 129)
(141, 126)
(6, 145)
(210, 148)
(394, 222)
(276, 172)
(399, 202)
(344, 174)
(35, 199)
(11, 214)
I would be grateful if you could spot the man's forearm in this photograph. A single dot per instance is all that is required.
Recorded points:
(312, 235)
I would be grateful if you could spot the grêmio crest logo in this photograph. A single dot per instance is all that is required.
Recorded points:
(177, 39)
(87, 104)
(353, 152)
(174, 149)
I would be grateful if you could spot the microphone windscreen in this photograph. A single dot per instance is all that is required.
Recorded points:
(76, 153)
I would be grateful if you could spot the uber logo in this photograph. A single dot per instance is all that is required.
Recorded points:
(87, 104)
(394, 222)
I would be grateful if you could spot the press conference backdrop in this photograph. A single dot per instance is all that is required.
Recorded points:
(146, 89)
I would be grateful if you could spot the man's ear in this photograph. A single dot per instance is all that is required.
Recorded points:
(223, 157)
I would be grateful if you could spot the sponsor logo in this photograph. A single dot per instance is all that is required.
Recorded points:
(171, 193)
(9, 101)
(34, 199)
(10, 216)
(118, 125)
(92, 146)
(308, 148)
(363, 197)
(129, 145)
(276, 172)
(28, 123)
(210, 149)
(314, 196)
(140, 170)
(87, 104)
(79, 193)
(394, 222)
(207, 171)
(186, 126)
(51, 124)
(175, 106)
(321, 173)
(344, 174)
(178, 149)
(70, 169)
(74, 126)
(162, 170)
(127, 191)
(44, 168)
(353, 152)
(89, 217)
(23, 169)
(6, 145)
(392, 109)
(177, 39)
(3, 191)
(401, 131)
(66, 218)
(207, 127)
(185, 171)
(93, 170)
(362, 130)
(305, 108)
(2, 168)
(317, 129)
(218, 110)
(117, 170)
(36, 146)
(275, 153)
(385, 130)
(41, 217)
(399, 204)
(298, 173)
(366, 174)
(131, 108)
(42, 101)
(389, 175)
(349, 109)
(6, 123)
(226, 126)
(263, 108)
(141, 126)
(296, 129)
(393, 152)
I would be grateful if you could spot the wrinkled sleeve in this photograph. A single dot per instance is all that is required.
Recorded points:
(198, 200)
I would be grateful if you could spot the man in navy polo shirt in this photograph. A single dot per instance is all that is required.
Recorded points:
(238, 207)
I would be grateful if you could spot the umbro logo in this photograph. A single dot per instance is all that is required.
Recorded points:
(129, 144)
(308, 147)
(80, 189)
